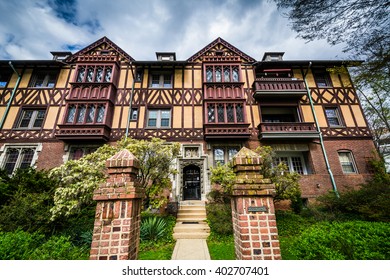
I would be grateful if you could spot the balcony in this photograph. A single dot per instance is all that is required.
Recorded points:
(287, 131)
(83, 132)
(278, 87)
(224, 131)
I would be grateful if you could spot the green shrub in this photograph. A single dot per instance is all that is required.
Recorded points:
(20, 245)
(153, 228)
(354, 240)
(219, 216)
(60, 248)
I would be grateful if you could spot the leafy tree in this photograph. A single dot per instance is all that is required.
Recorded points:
(363, 27)
(78, 179)
(286, 183)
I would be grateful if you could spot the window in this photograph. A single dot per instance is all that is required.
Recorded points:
(161, 80)
(333, 116)
(219, 73)
(43, 78)
(4, 78)
(85, 113)
(94, 74)
(322, 78)
(16, 157)
(134, 114)
(160, 118)
(347, 162)
(225, 113)
(76, 153)
(294, 161)
(31, 118)
(223, 155)
(279, 114)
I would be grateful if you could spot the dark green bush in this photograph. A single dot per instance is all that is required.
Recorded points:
(20, 245)
(354, 240)
(153, 228)
(219, 216)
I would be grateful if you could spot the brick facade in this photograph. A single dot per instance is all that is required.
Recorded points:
(253, 212)
(116, 231)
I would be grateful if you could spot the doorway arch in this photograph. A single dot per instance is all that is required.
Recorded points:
(191, 183)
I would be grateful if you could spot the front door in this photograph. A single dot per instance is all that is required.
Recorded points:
(191, 183)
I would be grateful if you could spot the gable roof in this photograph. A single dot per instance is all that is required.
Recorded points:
(214, 44)
(96, 44)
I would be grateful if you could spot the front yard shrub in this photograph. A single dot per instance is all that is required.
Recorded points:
(353, 240)
(219, 216)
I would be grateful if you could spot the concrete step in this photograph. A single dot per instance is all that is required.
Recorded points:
(191, 215)
(185, 209)
(193, 203)
(200, 227)
(189, 235)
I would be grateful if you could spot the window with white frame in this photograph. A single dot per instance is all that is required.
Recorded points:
(18, 156)
(222, 155)
(347, 162)
(294, 161)
(161, 80)
(43, 78)
(159, 118)
(31, 118)
(333, 116)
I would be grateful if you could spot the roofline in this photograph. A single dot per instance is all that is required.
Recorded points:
(348, 63)
(32, 62)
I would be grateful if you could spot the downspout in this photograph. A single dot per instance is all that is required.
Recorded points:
(130, 103)
(12, 95)
(334, 186)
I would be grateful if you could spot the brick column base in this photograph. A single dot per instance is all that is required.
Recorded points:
(116, 231)
(253, 212)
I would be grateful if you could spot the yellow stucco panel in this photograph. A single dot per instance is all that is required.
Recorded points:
(256, 115)
(321, 116)
(198, 116)
(25, 78)
(347, 115)
(307, 113)
(188, 117)
(335, 79)
(141, 117)
(176, 117)
(178, 79)
(297, 74)
(122, 78)
(62, 78)
(11, 118)
(198, 77)
(51, 116)
(188, 77)
(358, 115)
(116, 117)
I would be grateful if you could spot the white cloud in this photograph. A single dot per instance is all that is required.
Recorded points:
(31, 29)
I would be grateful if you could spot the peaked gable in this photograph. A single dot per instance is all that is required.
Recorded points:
(220, 45)
(103, 44)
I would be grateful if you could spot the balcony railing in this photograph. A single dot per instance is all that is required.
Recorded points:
(275, 87)
(84, 132)
(287, 130)
(222, 131)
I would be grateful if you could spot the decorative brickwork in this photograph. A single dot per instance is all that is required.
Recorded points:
(117, 221)
(254, 221)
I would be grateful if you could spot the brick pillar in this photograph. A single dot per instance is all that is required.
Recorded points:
(253, 212)
(117, 220)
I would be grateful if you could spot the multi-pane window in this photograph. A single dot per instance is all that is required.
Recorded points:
(161, 80)
(294, 162)
(31, 118)
(134, 114)
(85, 113)
(222, 73)
(223, 155)
(333, 116)
(159, 118)
(42, 78)
(76, 153)
(347, 162)
(94, 74)
(225, 113)
(18, 157)
(4, 78)
(322, 78)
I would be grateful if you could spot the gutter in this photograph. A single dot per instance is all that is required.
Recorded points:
(12, 95)
(334, 186)
(130, 103)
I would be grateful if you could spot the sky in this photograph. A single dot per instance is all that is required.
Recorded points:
(30, 29)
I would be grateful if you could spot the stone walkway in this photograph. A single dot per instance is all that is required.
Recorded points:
(191, 249)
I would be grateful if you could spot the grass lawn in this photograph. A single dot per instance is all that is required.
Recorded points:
(221, 247)
(155, 251)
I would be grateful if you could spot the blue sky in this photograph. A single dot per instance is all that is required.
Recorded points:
(30, 29)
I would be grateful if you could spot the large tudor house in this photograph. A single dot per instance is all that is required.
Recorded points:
(214, 103)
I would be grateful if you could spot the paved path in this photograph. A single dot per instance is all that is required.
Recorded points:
(191, 249)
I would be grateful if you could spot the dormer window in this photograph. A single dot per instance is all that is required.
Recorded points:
(166, 56)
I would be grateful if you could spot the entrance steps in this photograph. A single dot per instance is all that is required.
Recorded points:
(191, 221)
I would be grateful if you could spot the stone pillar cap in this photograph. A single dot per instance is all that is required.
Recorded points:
(124, 158)
(247, 153)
